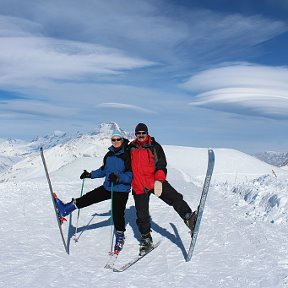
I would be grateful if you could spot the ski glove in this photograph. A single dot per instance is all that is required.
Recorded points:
(85, 174)
(158, 188)
(113, 178)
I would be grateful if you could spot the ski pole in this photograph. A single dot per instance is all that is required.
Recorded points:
(78, 215)
(111, 220)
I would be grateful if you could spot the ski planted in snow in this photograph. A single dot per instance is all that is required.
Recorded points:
(53, 196)
(133, 261)
(211, 162)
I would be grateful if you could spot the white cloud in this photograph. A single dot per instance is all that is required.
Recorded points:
(125, 106)
(38, 57)
(242, 89)
(27, 57)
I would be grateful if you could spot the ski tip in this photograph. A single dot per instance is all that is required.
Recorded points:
(211, 154)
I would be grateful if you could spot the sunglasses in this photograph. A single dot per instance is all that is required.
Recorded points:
(116, 139)
(141, 133)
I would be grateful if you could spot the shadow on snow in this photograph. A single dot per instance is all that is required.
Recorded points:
(130, 215)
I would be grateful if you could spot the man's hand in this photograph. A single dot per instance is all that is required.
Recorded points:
(158, 188)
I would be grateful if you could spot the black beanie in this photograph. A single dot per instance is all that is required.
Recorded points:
(141, 127)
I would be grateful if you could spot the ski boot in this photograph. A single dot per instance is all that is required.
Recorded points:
(146, 244)
(190, 220)
(65, 209)
(119, 243)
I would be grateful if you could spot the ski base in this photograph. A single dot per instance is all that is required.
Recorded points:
(194, 234)
(133, 261)
(60, 219)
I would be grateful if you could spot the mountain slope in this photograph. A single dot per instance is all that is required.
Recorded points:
(235, 247)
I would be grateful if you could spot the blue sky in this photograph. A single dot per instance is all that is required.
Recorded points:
(198, 73)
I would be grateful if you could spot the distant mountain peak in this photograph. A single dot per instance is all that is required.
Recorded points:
(59, 133)
(279, 159)
(105, 129)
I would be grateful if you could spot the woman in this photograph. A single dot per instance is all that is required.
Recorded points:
(116, 169)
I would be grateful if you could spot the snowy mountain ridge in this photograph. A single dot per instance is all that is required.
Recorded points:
(15, 147)
(18, 153)
(279, 159)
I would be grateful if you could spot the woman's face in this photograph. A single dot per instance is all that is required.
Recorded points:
(116, 141)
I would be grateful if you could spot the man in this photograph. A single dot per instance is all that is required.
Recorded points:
(148, 163)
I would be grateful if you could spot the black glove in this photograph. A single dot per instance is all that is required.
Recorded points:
(85, 174)
(113, 178)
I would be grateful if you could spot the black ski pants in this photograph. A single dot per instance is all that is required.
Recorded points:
(169, 195)
(118, 206)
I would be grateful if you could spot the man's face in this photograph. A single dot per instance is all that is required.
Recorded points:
(141, 135)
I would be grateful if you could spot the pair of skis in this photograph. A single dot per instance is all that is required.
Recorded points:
(112, 260)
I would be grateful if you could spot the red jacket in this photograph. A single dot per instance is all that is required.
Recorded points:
(148, 162)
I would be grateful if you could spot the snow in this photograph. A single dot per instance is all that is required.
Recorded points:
(242, 240)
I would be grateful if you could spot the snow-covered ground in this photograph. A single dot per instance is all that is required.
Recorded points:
(242, 240)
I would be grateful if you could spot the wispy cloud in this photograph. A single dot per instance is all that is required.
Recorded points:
(26, 58)
(44, 58)
(125, 106)
(109, 41)
(35, 108)
(243, 89)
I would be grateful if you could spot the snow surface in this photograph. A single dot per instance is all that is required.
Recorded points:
(242, 240)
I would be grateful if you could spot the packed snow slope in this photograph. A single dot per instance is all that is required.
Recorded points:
(242, 240)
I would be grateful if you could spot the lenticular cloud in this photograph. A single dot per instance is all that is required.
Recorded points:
(242, 89)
